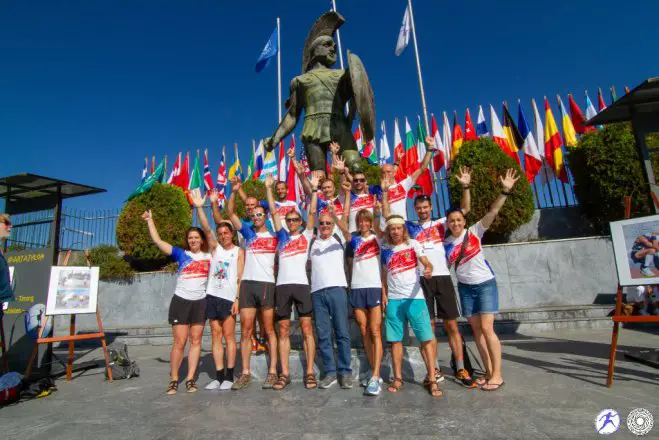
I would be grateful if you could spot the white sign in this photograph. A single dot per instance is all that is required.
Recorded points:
(636, 250)
(72, 290)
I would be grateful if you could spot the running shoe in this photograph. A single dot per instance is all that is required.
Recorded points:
(345, 382)
(327, 382)
(226, 385)
(374, 387)
(465, 379)
(647, 272)
(213, 385)
(242, 382)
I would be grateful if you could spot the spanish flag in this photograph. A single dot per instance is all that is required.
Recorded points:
(553, 142)
(457, 137)
(513, 136)
(569, 133)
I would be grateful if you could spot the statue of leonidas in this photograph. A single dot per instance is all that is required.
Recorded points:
(322, 93)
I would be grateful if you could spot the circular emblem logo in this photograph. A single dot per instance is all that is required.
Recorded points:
(607, 421)
(640, 421)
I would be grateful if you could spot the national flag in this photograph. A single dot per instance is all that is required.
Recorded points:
(614, 98)
(470, 133)
(145, 171)
(251, 165)
(195, 179)
(578, 119)
(153, 164)
(424, 182)
(569, 133)
(515, 139)
(481, 125)
(221, 182)
(235, 169)
(182, 179)
(553, 142)
(282, 162)
(627, 90)
(358, 140)
(370, 153)
(146, 185)
(269, 165)
(539, 134)
(208, 179)
(175, 170)
(295, 189)
(600, 101)
(446, 140)
(303, 200)
(404, 33)
(590, 110)
(399, 149)
(410, 160)
(439, 160)
(498, 135)
(385, 153)
(532, 159)
(457, 137)
(258, 161)
(268, 52)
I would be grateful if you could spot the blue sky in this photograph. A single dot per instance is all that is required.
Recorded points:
(87, 89)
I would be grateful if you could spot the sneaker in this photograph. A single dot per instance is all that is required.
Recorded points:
(213, 385)
(647, 272)
(243, 381)
(226, 385)
(270, 380)
(364, 382)
(465, 379)
(261, 347)
(345, 382)
(327, 382)
(374, 387)
(439, 375)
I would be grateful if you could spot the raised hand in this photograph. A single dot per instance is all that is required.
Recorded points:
(339, 163)
(385, 184)
(430, 142)
(197, 200)
(269, 181)
(214, 196)
(377, 208)
(299, 168)
(314, 182)
(346, 186)
(147, 215)
(464, 178)
(334, 147)
(236, 184)
(291, 152)
(509, 180)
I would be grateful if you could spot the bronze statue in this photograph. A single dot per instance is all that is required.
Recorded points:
(323, 93)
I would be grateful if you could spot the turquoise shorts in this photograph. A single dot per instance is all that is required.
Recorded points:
(415, 312)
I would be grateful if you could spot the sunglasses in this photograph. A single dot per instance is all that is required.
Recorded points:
(258, 215)
(6, 222)
(359, 180)
(295, 219)
(325, 223)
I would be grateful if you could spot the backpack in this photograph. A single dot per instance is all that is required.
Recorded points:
(120, 364)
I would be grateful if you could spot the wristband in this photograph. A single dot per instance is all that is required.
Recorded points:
(504, 193)
(466, 186)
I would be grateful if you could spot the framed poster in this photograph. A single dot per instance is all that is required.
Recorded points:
(636, 250)
(5, 305)
(72, 290)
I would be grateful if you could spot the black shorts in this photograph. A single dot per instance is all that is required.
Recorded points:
(217, 308)
(287, 294)
(186, 312)
(256, 294)
(440, 293)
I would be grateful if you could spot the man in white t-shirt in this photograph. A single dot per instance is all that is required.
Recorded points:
(257, 289)
(439, 292)
(403, 299)
(293, 285)
(330, 302)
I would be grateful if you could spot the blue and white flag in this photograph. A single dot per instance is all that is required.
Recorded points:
(145, 172)
(269, 51)
(481, 125)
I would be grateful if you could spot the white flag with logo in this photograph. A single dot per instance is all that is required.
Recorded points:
(404, 34)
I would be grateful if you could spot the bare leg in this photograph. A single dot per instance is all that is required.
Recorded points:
(397, 360)
(180, 332)
(454, 338)
(362, 321)
(269, 325)
(493, 348)
(374, 326)
(309, 342)
(247, 317)
(229, 332)
(196, 331)
(430, 357)
(216, 344)
(284, 344)
(475, 323)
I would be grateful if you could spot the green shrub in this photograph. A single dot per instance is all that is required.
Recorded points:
(171, 214)
(606, 168)
(111, 266)
(487, 162)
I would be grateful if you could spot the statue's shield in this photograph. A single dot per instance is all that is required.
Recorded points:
(362, 96)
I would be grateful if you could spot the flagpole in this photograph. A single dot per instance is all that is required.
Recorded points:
(418, 68)
(338, 38)
(278, 69)
(235, 154)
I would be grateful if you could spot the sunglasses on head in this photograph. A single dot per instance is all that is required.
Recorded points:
(325, 223)
(258, 215)
(294, 219)
(359, 180)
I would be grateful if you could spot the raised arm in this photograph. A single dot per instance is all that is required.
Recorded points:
(198, 202)
(313, 207)
(464, 178)
(377, 216)
(507, 183)
(164, 247)
(231, 205)
(343, 227)
(299, 170)
(345, 190)
(290, 119)
(386, 207)
(276, 220)
(339, 164)
(215, 208)
(430, 146)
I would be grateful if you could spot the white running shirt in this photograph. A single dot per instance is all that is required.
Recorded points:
(431, 237)
(192, 273)
(223, 276)
(474, 268)
(293, 254)
(327, 268)
(402, 264)
(365, 254)
(259, 255)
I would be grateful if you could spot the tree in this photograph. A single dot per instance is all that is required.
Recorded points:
(252, 188)
(606, 168)
(111, 266)
(172, 215)
(487, 162)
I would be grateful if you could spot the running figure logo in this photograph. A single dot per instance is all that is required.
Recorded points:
(607, 421)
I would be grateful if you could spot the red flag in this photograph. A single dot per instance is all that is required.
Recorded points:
(399, 150)
(578, 119)
(183, 178)
(470, 133)
(600, 101)
(153, 164)
(176, 170)
(281, 166)
(208, 179)
(457, 137)
(438, 159)
(291, 178)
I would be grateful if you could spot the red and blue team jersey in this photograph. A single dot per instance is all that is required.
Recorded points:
(365, 254)
(401, 263)
(431, 237)
(192, 273)
(473, 268)
(293, 254)
(260, 251)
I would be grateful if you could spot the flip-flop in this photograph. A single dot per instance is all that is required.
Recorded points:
(496, 385)
(478, 382)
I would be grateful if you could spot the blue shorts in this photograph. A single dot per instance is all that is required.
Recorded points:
(415, 312)
(479, 298)
(365, 298)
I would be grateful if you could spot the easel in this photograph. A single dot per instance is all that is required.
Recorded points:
(617, 317)
(5, 362)
(72, 337)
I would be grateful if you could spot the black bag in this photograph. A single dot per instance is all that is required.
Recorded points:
(120, 364)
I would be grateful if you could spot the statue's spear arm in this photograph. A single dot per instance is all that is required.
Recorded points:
(289, 121)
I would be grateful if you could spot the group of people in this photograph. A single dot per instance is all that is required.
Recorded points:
(356, 246)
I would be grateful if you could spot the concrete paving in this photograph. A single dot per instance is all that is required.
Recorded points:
(555, 386)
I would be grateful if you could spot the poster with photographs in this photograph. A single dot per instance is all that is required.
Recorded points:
(72, 290)
(636, 249)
